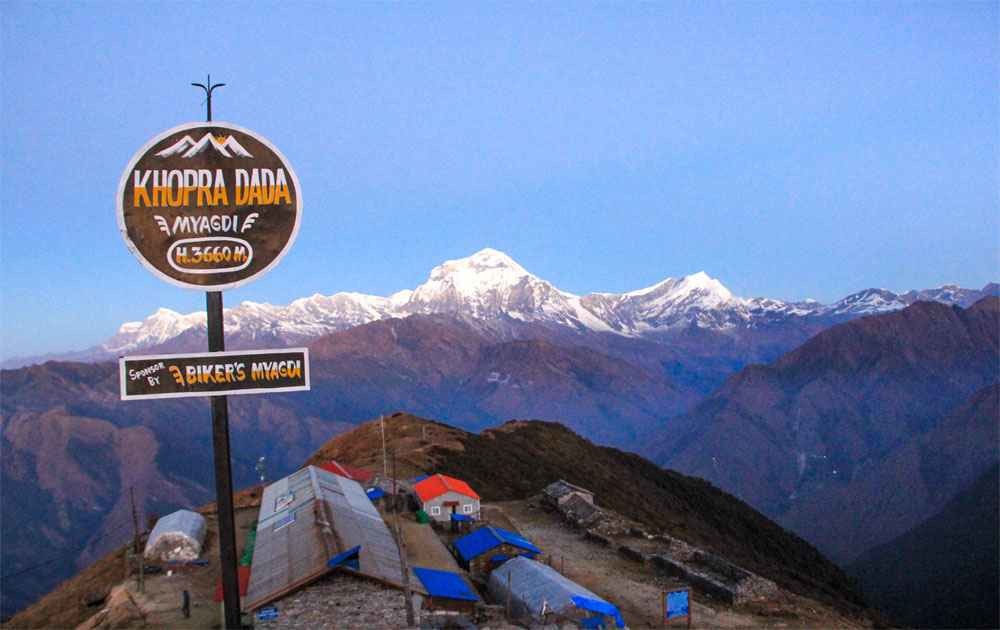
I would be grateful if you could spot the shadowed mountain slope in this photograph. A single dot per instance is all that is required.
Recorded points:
(944, 573)
(823, 437)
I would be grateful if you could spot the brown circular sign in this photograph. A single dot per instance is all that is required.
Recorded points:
(209, 206)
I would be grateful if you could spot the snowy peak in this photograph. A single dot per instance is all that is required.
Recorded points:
(161, 326)
(486, 269)
(487, 284)
(491, 287)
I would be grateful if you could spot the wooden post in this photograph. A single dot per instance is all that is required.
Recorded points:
(140, 579)
(509, 618)
(407, 593)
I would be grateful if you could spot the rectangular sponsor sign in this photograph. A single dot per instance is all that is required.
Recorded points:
(214, 373)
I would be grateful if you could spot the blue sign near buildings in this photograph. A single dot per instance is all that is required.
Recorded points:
(678, 604)
(267, 613)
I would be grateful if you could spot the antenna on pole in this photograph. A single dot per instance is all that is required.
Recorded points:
(208, 87)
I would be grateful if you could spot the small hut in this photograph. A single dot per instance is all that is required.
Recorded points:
(446, 591)
(441, 496)
(489, 547)
(559, 492)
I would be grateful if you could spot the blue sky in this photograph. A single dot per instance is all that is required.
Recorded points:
(790, 149)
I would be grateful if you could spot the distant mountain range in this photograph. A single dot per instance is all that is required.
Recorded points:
(494, 291)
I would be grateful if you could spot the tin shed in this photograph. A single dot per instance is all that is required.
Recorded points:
(536, 591)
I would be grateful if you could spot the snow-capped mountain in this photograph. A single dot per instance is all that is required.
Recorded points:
(867, 302)
(697, 300)
(158, 328)
(490, 284)
(186, 147)
(493, 289)
(952, 294)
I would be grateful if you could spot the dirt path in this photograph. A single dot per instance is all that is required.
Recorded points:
(425, 549)
(637, 592)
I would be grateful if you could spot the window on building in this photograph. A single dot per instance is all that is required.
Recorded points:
(467, 508)
(435, 510)
(284, 521)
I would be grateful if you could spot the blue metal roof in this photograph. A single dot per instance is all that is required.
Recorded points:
(419, 478)
(461, 517)
(349, 558)
(486, 538)
(375, 493)
(601, 607)
(445, 584)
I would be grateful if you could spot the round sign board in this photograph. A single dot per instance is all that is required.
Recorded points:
(209, 206)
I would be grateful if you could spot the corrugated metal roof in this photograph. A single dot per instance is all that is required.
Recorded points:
(534, 585)
(305, 520)
(562, 487)
(486, 538)
(436, 485)
(445, 584)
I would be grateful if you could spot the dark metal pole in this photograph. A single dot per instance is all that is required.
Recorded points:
(220, 444)
(223, 473)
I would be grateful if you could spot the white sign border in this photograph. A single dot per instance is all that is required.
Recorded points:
(120, 206)
(198, 355)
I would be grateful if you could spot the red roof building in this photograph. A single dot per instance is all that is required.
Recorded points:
(360, 475)
(442, 496)
(436, 485)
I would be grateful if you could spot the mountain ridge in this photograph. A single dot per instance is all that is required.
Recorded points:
(492, 287)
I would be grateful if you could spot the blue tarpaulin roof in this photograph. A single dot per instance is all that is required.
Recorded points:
(419, 478)
(486, 538)
(375, 493)
(598, 606)
(445, 584)
(461, 517)
(348, 558)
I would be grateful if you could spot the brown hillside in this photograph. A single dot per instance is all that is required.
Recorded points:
(519, 458)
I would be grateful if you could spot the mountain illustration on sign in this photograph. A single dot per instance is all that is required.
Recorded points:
(186, 147)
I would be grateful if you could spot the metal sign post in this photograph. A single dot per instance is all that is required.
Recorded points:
(220, 445)
(212, 206)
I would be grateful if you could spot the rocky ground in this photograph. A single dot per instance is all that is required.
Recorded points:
(340, 601)
(635, 588)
